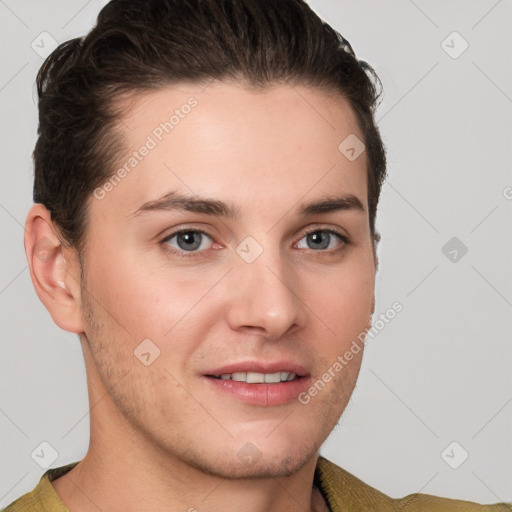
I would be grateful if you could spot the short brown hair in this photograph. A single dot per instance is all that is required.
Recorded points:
(139, 45)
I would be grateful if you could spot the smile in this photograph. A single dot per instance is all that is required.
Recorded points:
(258, 378)
(259, 383)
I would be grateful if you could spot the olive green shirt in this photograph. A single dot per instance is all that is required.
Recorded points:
(342, 492)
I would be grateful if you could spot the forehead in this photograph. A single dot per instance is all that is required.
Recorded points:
(229, 142)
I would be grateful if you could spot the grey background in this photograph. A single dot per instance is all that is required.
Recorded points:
(440, 371)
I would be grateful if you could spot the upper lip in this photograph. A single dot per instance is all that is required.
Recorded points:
(260, 367)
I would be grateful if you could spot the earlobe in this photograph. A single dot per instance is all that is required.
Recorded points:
(369, 324)
(53, 269)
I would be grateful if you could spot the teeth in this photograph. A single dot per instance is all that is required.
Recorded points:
(259, 378)
(255, 378)
(273, 377)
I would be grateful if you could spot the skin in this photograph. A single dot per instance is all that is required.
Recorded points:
(163, 438)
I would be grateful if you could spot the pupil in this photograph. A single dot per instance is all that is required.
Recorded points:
(317, 238)
(188, 239)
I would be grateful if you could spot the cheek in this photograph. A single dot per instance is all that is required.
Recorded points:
(168, 306)
(345, 301)
(143, 300)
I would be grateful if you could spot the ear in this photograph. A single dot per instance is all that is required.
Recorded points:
(376, 240)
(370, 318)
(54, 269)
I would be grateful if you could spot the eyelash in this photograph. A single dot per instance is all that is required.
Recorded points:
(194, 254)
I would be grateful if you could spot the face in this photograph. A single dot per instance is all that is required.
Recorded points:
(226, 270)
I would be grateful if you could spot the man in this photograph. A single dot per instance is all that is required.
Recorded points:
(207, 176)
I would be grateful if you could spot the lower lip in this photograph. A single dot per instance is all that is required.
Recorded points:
(262, 394)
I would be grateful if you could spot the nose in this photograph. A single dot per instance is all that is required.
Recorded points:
(267, 298)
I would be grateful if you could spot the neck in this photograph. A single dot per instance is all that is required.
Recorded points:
(115, 476)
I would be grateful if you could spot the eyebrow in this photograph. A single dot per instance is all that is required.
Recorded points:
(175, 201)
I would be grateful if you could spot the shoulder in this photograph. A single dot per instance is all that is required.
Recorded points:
(43, 498)
(344, 491)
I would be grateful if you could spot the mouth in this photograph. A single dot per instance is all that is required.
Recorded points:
(258, 378)
(259, 384)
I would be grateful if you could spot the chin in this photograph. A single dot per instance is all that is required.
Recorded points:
(284, 467)
(250, 462)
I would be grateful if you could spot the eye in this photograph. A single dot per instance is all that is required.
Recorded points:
(192, 242)
(188, 240)
(323, 239)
